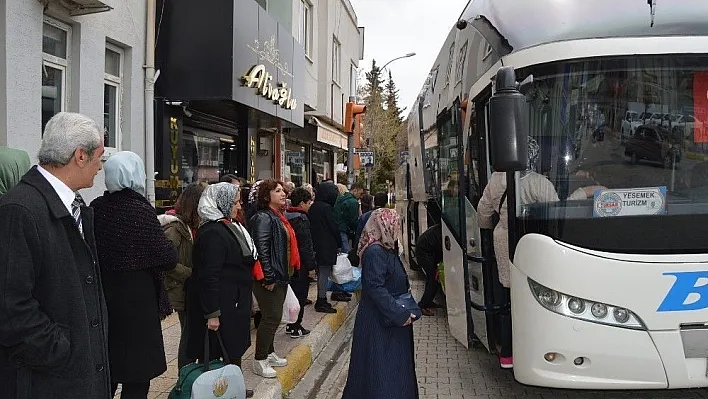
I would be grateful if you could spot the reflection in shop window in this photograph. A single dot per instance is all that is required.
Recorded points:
(296, 163)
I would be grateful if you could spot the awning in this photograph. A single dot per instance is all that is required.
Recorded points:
(328, 134)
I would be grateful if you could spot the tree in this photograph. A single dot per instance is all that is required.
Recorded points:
(382, 124)
(391, 97)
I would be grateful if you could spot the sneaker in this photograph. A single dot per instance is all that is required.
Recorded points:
(277, 361)
(299, 332)
(263, 368)
(290, 328)
(506, 362)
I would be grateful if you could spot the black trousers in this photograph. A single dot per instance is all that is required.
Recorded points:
(300, 283)
(505, 331)
(135, 390)
(431, 285)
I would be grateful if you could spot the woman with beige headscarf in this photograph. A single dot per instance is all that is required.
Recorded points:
(382, 362)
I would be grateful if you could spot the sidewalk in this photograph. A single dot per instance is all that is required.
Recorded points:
(300, 352)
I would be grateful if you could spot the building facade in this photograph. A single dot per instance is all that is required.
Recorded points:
(91, 55)
(231, 81)
(333, 45)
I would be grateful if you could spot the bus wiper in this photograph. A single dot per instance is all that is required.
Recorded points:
(652, 11)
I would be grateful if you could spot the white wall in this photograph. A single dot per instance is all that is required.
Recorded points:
(21, 24)
(340, 21)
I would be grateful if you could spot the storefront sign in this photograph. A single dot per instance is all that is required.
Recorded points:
(174, 158)
(252, 175)
(630, 202)
(259, 78)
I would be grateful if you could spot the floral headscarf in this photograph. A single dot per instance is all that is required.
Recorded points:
(382, 227)
(217, 202)
(253, 194)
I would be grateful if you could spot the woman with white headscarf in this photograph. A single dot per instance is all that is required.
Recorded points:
(220, 290)
(133, 254)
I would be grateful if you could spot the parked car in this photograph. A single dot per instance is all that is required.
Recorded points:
(655, 144)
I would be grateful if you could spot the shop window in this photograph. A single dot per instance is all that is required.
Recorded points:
(305, 32)
(336, 60)
(112, 93)
(55, 65)
(321, 165)
(297, 160)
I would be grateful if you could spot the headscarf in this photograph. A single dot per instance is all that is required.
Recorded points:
(253, 194)
(217, 202)
(124, 170)
(13, 164)
(383, 227)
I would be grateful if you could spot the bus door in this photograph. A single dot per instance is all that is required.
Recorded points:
(487, 300)
(451, 172)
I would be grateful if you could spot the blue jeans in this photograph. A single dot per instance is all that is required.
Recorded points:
(345, 242)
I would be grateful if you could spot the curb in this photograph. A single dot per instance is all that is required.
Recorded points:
(301, 357)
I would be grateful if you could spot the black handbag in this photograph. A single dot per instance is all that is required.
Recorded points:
(407, 302)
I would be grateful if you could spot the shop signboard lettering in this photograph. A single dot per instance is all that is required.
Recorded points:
(174, 158)
(260, 79)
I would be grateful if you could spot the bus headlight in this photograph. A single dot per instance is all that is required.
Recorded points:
(584, 309)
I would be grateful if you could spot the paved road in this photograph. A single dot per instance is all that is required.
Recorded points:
(446, 369)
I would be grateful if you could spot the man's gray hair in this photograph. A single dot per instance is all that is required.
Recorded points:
(64, 134)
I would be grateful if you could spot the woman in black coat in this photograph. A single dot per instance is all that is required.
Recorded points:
(328, 240)
(133, 253)
(219, 291)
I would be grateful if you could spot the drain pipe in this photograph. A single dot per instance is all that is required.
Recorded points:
(150, 78)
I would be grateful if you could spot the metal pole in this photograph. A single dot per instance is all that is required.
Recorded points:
(350, 153)
(150, 103)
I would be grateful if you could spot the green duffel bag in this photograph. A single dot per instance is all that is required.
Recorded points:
(189, 373)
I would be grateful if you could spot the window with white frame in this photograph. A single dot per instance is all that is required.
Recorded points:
(56, 37)
(352, 81)
(450, 58)
(336, 60)
(305, 32)
(112, 91)
(459, 71)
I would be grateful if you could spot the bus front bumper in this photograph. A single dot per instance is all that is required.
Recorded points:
(553, 350)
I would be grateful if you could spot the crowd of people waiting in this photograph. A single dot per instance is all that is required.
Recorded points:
(84, 288)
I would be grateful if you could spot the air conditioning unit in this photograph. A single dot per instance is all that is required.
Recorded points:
(79, 7)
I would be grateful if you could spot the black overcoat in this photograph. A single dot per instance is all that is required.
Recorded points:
(53, 335)
(221, 284)
(327, 240)
(132, 250)
(382, 361)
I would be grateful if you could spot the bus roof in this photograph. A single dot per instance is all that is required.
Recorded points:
(529, 23)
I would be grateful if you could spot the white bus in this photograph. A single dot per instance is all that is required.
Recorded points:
(607, 292)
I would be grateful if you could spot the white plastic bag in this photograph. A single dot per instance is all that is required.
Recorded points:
(225, 382)
(343, 271)
(291, 307)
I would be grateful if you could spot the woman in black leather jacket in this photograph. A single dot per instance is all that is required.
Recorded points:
(279, 257)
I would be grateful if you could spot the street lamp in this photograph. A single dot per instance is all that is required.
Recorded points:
(367, 170)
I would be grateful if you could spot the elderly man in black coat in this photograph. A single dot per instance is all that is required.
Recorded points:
(53, 339)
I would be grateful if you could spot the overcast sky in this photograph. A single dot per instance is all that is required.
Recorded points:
(398, 27)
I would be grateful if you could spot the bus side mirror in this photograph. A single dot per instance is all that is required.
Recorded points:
(507, 122)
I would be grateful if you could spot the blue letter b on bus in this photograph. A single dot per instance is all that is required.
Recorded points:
(689, 292)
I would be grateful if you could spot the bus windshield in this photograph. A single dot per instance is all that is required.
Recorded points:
(622, 183)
